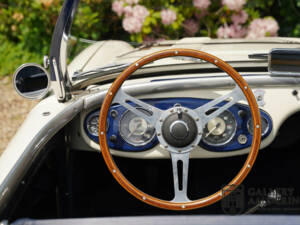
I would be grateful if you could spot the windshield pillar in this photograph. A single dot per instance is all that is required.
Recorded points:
(58, 50)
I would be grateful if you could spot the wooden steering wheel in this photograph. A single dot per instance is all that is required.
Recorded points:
(179, 120)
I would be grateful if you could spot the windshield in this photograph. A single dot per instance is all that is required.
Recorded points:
(141, 24)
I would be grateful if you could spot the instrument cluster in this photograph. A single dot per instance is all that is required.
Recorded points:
(231, 130)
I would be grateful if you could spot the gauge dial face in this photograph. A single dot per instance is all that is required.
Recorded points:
(92, 125)
(136, 130)
(264, 126)
(220, 130)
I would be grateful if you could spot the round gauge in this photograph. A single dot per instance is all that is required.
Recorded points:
(220, 130)
(264, 126)
(136, 130)
(92, 124)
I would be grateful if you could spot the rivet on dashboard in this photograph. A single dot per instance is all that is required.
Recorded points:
(144, 198)
(110, 93)
(176, 52)
(136, 64)
(158, 134)
(245, 87)
(46, 113)
(183, 206)
(185, 110)
(248, 166)
(172, 110)
(102, 133)
(114, 171)
(216, 61)
(257, 126)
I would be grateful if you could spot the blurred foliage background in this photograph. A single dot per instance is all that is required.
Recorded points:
(26, 26)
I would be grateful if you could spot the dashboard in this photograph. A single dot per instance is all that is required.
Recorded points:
(230, 131)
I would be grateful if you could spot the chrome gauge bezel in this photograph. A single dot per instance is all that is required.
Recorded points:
(125, 139)
(262, 132)
(230, 138)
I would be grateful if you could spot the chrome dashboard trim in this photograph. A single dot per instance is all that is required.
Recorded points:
(171, 68)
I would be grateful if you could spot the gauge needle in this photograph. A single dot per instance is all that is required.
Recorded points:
(212, 130)
(137, 127)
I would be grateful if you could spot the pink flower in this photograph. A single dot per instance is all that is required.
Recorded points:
(151, 40)
(128, 10)
(200, 15)
(117, 7)
(168, 16)
(239, 18)
(262, 28)
(191, 27)
(236, 5)
(131, 2)
(132, 24)
(201, 4)
(140, 12)
(232, 31)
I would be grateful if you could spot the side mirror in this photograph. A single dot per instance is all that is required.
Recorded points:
(31, 81)
(284, 61)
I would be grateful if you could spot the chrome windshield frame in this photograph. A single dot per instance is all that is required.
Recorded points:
(58, 50)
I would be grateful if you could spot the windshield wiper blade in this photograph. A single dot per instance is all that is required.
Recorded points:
(117, 68)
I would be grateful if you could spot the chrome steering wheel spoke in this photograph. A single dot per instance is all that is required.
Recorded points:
(124, 99)
(180, 165)
(231, 98)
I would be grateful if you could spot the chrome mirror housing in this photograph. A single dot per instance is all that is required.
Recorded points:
(31, 81)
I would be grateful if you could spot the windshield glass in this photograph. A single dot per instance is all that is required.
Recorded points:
(141, 24)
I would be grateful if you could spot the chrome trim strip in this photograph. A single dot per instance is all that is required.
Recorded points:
(8, 187)
(170, 68)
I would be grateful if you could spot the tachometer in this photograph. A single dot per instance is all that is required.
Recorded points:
(220, 130)
(136, 130)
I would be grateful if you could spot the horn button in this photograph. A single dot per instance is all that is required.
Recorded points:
(179, 130)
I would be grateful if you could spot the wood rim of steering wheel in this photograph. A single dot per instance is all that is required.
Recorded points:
(237, 180)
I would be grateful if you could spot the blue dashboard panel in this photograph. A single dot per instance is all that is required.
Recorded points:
(241, 113)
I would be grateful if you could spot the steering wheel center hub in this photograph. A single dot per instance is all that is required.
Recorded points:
(179, 130)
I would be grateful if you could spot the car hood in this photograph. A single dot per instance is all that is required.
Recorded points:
(109, 53)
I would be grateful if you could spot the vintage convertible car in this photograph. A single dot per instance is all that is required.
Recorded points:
(179, 131)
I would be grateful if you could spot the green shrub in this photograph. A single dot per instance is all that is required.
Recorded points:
(13, 55)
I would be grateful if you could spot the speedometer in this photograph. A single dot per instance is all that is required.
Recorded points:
(220, 130)
(135, 130)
